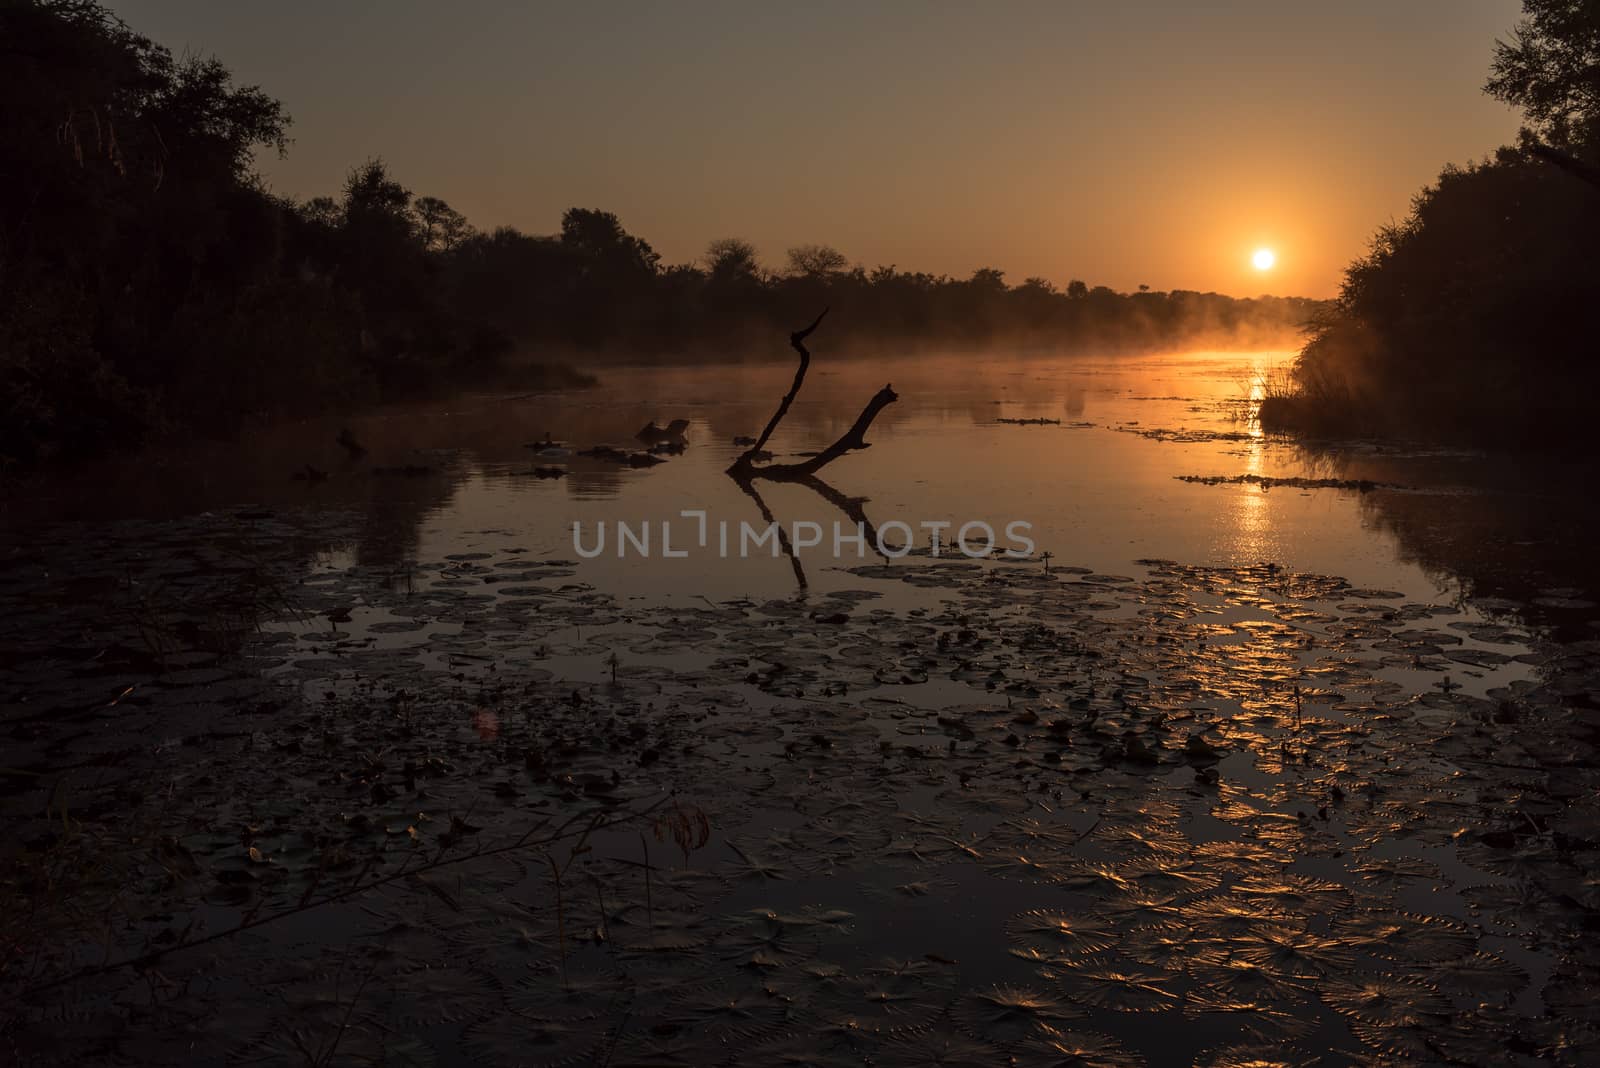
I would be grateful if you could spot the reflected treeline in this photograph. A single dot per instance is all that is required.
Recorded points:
(415, 456)
(1504, 527)
(151, 282)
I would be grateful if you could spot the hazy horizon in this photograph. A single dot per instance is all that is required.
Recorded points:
(932, 137)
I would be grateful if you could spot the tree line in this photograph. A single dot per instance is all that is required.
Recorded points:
(1474, 318)
(150, 281)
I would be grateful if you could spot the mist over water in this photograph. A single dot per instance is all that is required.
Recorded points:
(1099, 482)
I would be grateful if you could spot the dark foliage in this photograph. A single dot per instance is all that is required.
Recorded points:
(149, 280)
(1474, 319)
(1550, 68)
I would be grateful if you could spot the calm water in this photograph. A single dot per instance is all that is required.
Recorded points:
(1100, 490)
(1307, 786)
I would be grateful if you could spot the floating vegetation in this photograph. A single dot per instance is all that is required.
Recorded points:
(1008, 1015)
(475, 810)
(1273, 1018)
(1388, 1001)
(1182, 436)
(1405, 936)
(1107, 985)
(1062, 932)
(1078, 1049)
(1266, 482)
(938, 1049)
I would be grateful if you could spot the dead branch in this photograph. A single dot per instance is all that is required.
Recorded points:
(745, 468)
(783, 539)
(854, 438)
(797, 342)
(852, 507)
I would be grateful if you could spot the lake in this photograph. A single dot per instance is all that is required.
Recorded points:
(1288, 748)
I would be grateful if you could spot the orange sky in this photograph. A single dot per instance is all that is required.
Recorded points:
(1141, 142)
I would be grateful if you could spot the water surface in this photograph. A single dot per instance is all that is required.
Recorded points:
(1099, 487)
(1238, 775)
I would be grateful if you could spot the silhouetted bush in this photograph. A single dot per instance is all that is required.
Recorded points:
(1474, 319)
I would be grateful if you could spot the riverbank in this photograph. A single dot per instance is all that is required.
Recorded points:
(1491, 418)
(164, 439)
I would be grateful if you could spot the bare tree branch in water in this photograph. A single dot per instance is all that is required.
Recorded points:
(745, 470)
(854, 438)
(783, 539)
(745, 467)
(852, 507)
(797, 341)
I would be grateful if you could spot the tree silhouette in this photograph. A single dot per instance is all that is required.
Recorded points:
(598, 236)
(816, 261)
(1472, 317)
(443, 228)
(1550, 68)
(729, 259)
(148, 280)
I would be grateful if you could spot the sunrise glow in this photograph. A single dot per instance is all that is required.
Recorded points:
(861, 476)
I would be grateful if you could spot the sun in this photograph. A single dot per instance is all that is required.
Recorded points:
(1263, 259)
